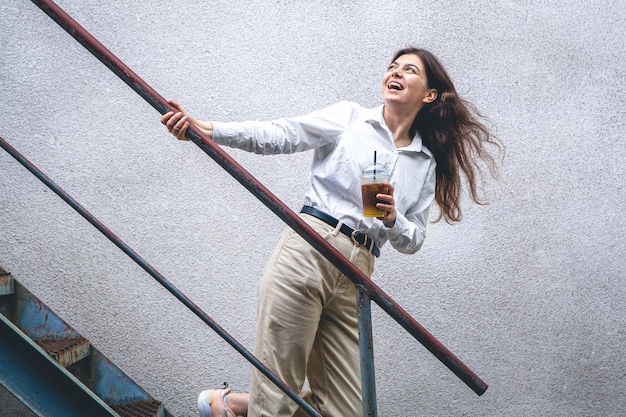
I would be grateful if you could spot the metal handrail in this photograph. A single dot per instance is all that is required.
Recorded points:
(369, 288)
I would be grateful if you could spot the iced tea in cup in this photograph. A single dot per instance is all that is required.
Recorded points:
(373, 182)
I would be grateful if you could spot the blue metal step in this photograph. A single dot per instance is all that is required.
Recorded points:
(55, 371)
(6, 283)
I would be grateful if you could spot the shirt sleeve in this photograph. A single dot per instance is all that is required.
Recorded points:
(408, 233)
(285, 136)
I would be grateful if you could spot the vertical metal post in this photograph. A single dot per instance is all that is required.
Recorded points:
(366, 349)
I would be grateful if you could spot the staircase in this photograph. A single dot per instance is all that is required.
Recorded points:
(54, 371)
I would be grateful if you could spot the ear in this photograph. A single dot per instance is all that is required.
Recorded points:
(430, 96)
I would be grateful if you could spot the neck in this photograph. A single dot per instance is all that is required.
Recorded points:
(400, 125)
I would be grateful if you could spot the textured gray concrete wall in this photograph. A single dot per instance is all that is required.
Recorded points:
(529, 291)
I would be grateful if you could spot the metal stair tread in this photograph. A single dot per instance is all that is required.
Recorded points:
(66, 351)
(149, 408)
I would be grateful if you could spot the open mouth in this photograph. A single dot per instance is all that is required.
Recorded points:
(395, 86)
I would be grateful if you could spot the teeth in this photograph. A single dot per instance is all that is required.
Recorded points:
(395, 86)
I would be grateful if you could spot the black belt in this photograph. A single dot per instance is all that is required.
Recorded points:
(356, 236)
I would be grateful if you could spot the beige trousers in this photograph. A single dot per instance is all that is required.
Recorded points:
(307, 327)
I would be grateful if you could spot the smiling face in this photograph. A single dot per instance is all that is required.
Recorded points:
(405, 84)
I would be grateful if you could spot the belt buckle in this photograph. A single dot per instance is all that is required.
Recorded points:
(354, 235)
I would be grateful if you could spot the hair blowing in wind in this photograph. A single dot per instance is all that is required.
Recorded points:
(452, 129)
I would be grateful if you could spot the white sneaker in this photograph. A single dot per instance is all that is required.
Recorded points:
(212, 403)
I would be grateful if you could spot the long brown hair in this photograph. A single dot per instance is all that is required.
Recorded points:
(451, 129)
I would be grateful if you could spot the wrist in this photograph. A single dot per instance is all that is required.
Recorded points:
(205, 127)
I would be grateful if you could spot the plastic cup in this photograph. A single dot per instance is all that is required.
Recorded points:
(373, 182)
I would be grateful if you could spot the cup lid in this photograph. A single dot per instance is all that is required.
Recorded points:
(375, 169)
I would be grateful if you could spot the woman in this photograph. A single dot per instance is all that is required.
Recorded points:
(427, 137)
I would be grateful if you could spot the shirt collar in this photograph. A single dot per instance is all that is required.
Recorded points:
(375, 115)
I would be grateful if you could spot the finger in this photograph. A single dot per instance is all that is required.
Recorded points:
(170, 122)
(389, 213)
(179, 108)
(180, 128)
(179, 124)
(177, 129)
(173, 120)
(182, 134)
(175, 105)
(166, 117)
(386, 198)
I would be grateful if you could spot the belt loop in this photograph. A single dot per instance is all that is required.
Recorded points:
(337, 228)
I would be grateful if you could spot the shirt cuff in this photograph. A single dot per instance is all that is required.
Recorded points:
(398, 226)
(224, 132)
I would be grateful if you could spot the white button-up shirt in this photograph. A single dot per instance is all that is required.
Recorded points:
(344, 137)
